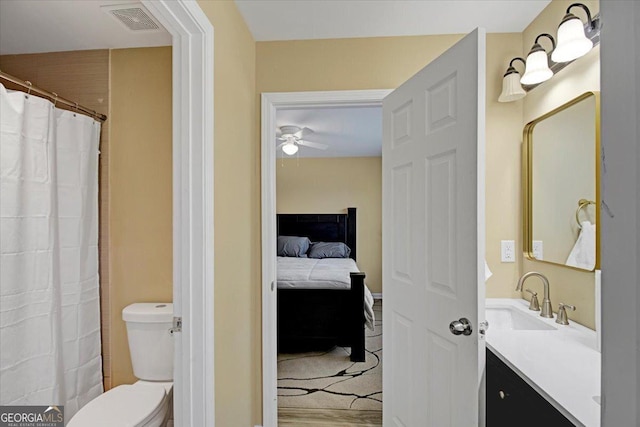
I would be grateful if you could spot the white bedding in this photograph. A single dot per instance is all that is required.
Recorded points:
(325, 273)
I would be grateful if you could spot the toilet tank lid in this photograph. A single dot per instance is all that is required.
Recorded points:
(148, 312)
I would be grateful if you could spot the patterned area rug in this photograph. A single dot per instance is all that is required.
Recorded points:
(329, 380)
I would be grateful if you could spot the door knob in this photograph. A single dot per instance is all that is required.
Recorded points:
(460, 327)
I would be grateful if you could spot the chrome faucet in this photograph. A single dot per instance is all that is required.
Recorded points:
(546, 311)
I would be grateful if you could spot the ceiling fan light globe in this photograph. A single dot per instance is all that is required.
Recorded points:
(290, 149)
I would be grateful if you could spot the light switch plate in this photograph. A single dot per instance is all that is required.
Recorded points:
(508, 251)
(537, 250)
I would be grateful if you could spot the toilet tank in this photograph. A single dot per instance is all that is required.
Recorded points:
(150, 340)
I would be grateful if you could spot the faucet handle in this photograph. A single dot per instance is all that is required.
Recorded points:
(534, 304)
(562, 313)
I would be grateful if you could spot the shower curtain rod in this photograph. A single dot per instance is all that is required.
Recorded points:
(52, 96)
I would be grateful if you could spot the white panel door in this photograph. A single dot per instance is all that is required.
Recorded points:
(433, 241)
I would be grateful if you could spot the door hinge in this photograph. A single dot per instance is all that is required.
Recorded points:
(177, 325)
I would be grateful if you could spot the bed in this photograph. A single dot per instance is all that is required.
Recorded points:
(321, 302)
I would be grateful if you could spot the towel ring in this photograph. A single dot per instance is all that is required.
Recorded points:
(582, 203)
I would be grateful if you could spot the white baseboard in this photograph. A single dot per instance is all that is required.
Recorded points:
(377, 295)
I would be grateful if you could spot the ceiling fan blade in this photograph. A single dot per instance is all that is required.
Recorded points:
(279, 138)
(303, 132)
(315, 145)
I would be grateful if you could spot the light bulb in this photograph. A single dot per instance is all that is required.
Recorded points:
(290, 148)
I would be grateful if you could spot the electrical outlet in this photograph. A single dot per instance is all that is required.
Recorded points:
(537, 249)
(508, 251)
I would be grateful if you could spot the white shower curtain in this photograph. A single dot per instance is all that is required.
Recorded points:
(49, 295)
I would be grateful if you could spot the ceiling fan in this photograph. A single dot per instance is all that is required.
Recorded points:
(290, 138)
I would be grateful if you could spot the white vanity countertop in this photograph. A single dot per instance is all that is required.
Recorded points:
(562, 365)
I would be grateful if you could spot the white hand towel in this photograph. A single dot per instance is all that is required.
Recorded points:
(487, 272)
(583, 254)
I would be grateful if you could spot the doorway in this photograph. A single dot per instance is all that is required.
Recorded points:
(271, 103)
(410, 116)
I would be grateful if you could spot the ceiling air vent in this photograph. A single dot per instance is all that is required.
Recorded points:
(133, 16)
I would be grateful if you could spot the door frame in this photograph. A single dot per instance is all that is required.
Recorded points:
(271, 102)
(620, 213)
(193, 258)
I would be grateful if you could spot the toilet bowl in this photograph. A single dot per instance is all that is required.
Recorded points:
(149, 401)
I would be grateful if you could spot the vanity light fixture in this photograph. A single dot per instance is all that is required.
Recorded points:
(572, 39)
(511, 88)
(290, 148)
(537, 66)
(575, 39)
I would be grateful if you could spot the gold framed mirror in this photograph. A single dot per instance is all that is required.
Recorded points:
(561, 185)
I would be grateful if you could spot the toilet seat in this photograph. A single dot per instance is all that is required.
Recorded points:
(125, 405)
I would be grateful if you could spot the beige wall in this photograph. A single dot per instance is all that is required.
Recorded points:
(330, 185)
(81, 76)
(503, 171)
(567, 285)
(237, 220)
(140, 189)
(385, 63)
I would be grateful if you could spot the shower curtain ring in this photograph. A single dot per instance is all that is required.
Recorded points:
(76, 108)
(29, 88)
(55, 100)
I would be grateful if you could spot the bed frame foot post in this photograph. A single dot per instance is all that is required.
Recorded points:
(357, 325)
(351, 231)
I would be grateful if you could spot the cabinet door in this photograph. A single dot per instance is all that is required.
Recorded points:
(505, 402)
(513, 402)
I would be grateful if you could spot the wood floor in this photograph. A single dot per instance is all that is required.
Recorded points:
(298, 417)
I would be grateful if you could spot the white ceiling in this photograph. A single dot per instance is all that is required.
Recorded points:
(349, 132)
(33, 26)
(322, 19)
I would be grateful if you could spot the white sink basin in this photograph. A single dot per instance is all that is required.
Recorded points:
(511, 318)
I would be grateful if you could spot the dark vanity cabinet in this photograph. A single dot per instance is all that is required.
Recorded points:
(511, 402)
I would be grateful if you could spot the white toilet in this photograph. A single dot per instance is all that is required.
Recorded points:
(148, 402)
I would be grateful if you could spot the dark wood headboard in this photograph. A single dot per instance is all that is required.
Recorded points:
(321, 227)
